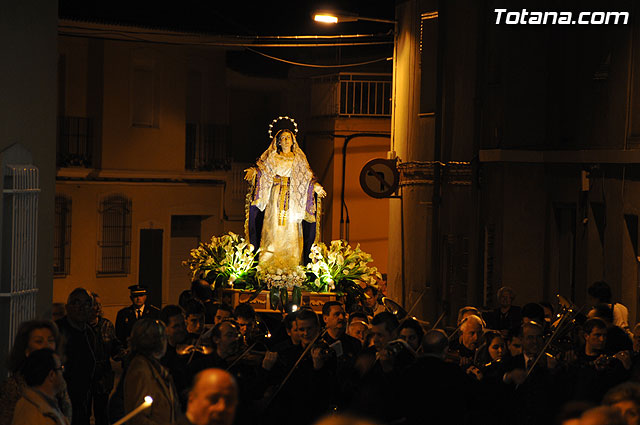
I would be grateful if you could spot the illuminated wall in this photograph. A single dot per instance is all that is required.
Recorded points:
(140, 98)
(368, 216)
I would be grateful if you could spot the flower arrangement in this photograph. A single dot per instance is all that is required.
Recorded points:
(227, 258)
(280, 282)
(230, 261)
(341, 268)
(279, 278)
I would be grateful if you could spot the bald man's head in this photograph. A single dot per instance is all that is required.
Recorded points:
(471, 330)
(213, 398)
(435, 343)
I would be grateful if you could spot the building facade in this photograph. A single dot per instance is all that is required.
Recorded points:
(153, 138)
(145, 162)
(521, 146)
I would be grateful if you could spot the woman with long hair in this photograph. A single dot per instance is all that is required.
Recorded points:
(493, 349)
(32, 335)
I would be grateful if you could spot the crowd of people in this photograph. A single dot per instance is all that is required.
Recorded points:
(204, 362)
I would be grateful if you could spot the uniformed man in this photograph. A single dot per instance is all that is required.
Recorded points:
(138, 309)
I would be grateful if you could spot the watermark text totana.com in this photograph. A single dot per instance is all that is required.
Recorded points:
(525, 17)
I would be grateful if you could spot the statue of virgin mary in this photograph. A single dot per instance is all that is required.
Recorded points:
(282, 214)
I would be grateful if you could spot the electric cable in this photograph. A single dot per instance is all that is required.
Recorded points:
(309, 65)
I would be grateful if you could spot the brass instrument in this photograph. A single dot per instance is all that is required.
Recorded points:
(565, 327)
(567, 308)
(394, 308)
(565, 322)
(397, 310)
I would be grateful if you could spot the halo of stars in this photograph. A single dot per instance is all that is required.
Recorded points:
(295, 125)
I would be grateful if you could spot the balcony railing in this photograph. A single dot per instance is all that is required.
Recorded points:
(208, 147)
(352, 95)
(75, 142)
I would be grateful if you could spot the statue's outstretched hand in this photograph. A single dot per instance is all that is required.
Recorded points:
(250, 174)
(319, 191)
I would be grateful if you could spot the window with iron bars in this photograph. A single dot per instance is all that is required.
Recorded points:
(208, 147)
(115, 235)
(361, 96)
(62, 236)
(18, 286)
(75, 142)
(352, 95)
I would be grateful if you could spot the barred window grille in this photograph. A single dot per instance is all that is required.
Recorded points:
(62, 236)
(352, 95)
(18, 288)
(75, 142)
(115, 239)
(364, 97)
(208, 147)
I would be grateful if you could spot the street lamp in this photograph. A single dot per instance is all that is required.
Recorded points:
(332, 17)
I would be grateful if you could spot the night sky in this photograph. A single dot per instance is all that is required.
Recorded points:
(265, 18)
(231, 18)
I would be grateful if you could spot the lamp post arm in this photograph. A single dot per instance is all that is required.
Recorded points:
(384, 21)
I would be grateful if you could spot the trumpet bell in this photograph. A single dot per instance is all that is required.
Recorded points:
(564, 303)
(394, 308)
(397, 310)
(567, 311)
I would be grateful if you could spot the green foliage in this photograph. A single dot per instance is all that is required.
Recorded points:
(229, 261)
(340, 268)
(225, 261)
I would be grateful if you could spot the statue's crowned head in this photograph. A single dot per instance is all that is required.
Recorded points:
(283, 128)
(285, 141)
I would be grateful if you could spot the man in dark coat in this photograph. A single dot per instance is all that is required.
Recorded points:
(176, 362)
(295, 398)
(346, 349)
(433, 390)
(107, 347)
(79, 346)
(595, 371)
(533, 385)
(507, 316)
(335, 320)
(139, 308)
(378, 372)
